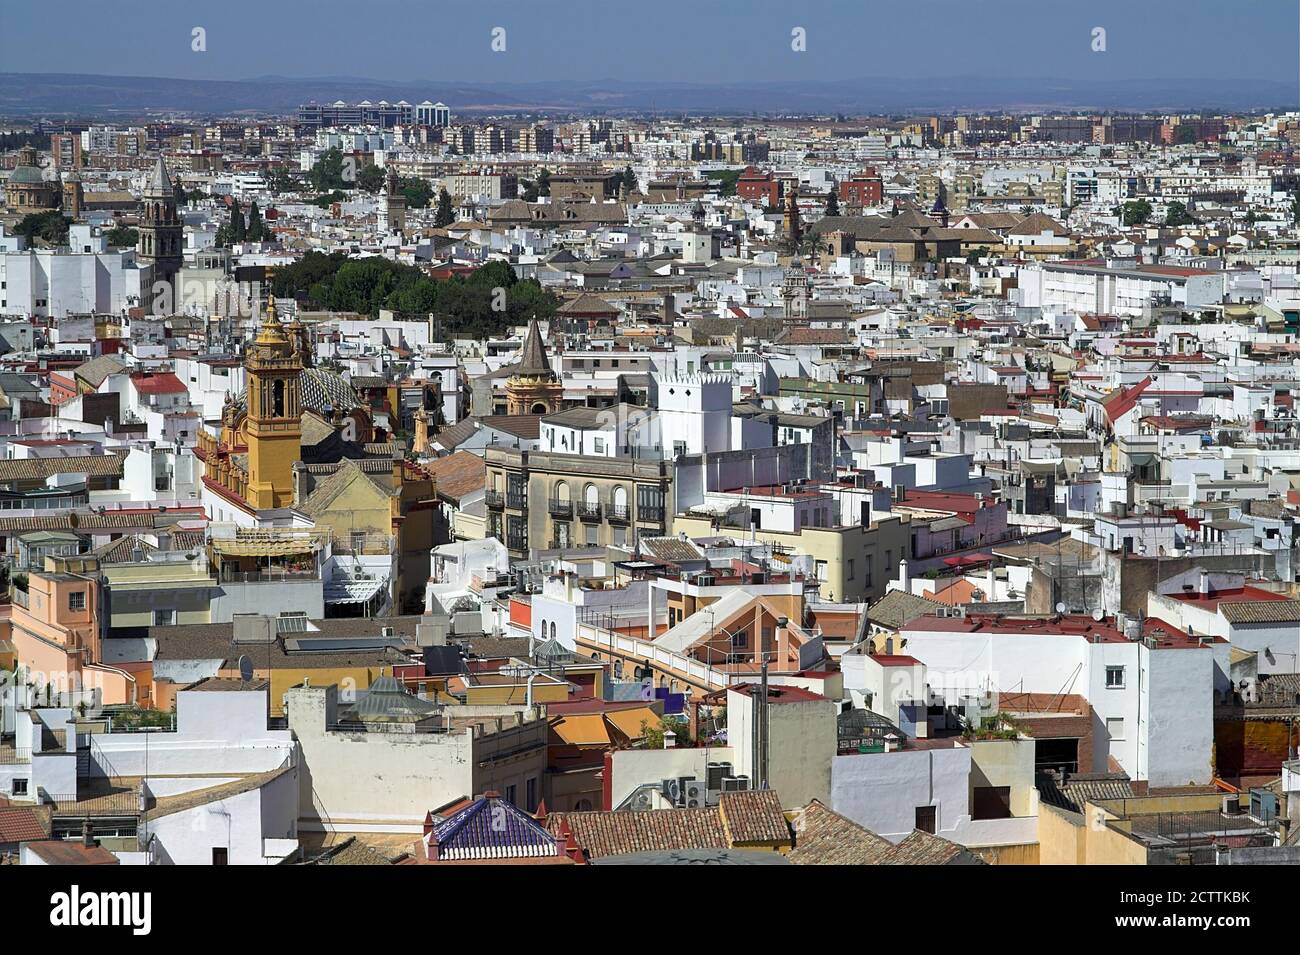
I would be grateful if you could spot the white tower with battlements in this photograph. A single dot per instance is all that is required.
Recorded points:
(694, 413)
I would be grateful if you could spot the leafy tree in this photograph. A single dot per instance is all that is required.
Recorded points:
(49, 227)
(727, 179)
(256, 230)
(235, 229)
(122, 237)
(833, 202)
(1135, 212)
(629, 179)
(327, 174)
(1177, 214)
(279, 180)
(653, 736)
(464, 306)
(418, 192)
(445, 215)
(328, 199)
(371, 179)
(529, 193)
(544, 182)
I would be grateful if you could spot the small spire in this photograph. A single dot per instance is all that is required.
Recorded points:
(271, 332)
(534, 359)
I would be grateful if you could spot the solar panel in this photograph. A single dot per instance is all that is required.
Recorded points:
(291, 623)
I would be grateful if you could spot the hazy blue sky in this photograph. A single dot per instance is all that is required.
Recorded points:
(689, 40)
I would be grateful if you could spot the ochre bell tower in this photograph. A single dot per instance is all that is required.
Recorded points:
(274, 427)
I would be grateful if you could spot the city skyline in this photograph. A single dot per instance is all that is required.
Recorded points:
(721, 43)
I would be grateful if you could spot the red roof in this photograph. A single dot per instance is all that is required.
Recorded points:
(895, 660)
(780, 694)
(163, 383)
(962, 504)
(1122, 401)
(20, 824)
(1244, 594)
(1167, 636)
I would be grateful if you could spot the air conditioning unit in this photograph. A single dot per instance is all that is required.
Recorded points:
(715, 772)
(735, 784)
(697, 795)
(641, 801)
(675, 789)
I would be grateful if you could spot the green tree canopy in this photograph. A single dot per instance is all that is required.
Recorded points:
(464, 306)
(49, 227)
(371, 179)
(418, 192)
(727, 179)
(1135, 212)
(833, 202)
(122, 237)
(445, 215)
(279, 180)
(327, 174)
(1177, 214)
(256, 230)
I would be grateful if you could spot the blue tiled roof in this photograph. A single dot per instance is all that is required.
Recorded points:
(491, 828)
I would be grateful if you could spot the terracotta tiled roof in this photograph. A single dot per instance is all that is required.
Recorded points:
(93, 521)
(742, 819)
(40, 469)
(67, 852)
(824, 837)
(458, 474)
(921, 848)
(526, 426)
(619, 833)
(353, 852)
(20, 824)
(754, 817)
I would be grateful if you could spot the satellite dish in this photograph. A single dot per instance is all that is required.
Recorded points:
(245, 668)
(1098, 616)
(1060, 608)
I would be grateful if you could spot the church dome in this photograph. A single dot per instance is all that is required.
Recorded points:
(27, 175)
(322, 392)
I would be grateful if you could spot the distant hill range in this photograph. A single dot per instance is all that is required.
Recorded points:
(124, 97)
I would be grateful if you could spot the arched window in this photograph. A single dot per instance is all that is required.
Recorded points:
(590, 495)
(552, 629)
(278, 409)
(562, 491)
(620, 500)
